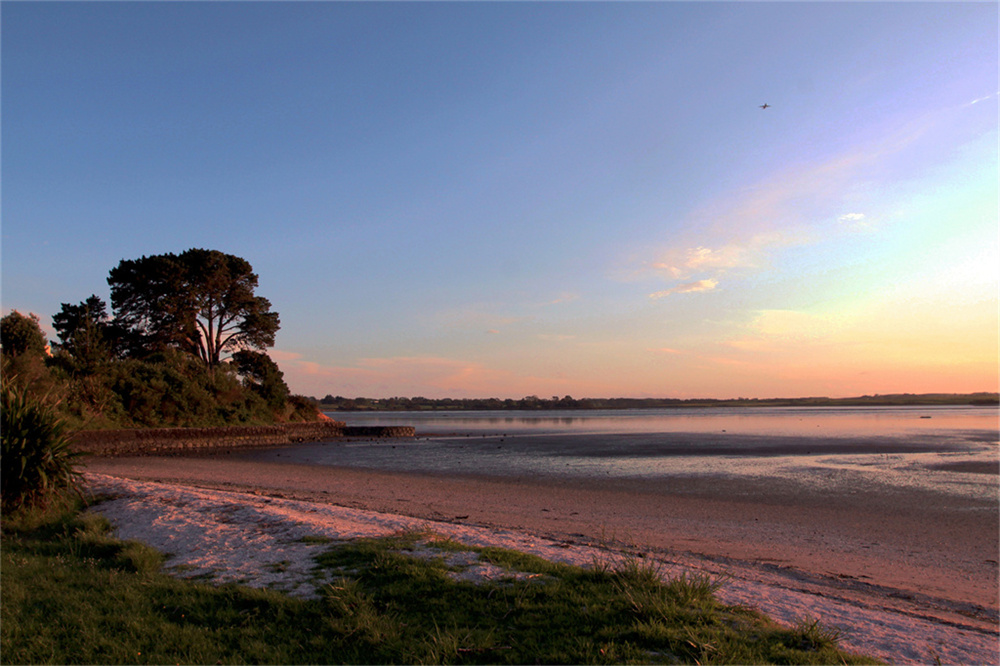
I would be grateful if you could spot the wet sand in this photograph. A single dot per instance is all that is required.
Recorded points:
(931, 553)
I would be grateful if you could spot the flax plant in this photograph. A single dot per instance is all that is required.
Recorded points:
(37, 460)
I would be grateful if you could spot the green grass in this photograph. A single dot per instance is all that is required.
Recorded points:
(71, 594)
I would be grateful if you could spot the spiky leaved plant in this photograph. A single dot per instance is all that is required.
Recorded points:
(36, 459)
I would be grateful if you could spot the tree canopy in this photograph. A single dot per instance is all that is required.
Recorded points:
(263, 376)
(21, 335)
(183, 346)
(23, 351)
(201, 301)
(85, 332)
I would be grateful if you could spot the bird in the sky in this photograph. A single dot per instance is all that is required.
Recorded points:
(764, 105)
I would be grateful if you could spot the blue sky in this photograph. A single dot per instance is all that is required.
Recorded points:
(505, 199)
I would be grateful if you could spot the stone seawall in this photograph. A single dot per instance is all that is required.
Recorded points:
(165, 441)
(379, 431)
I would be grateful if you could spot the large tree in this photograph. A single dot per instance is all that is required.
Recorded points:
(85, 332)
(201, 301)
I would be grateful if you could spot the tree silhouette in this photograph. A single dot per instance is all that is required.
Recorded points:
(85, 332)
(201, 301)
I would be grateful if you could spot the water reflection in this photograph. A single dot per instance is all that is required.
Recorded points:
(941, 449)
(830, 421)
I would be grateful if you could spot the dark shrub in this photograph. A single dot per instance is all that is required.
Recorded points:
(37, 461)
(301, 408)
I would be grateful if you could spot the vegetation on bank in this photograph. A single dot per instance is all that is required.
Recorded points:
(36, 461)
(184, 345)
(72, 594)
(340, 403)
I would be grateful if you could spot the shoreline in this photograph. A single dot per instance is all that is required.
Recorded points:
(234, 532)
(893, 541)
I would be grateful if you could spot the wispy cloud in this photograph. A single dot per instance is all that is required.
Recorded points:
(688, 288)
(855, 222)
(430, 376)
(497, 317)
(555, 337)
(665, 350)
(564, 297)
(681, 262)
(279, 355)
(742, 232)
(684, 262)
(983, 99)
(781, 327)
(399, 375)
(479, 317)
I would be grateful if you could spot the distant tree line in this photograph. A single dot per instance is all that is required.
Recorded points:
(183, 345)
(340, 403)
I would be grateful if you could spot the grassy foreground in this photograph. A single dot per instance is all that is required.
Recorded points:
(72, 594)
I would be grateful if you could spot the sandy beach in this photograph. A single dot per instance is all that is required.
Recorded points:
(894, 554)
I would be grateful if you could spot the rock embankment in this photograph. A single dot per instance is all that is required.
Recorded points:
(166, 441)
(379, 431)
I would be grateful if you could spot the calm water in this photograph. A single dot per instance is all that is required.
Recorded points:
(794, 421)
(946, 449)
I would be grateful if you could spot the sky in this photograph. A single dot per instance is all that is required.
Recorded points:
(509, 199)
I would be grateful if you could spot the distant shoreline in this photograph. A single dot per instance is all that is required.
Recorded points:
(342, 404)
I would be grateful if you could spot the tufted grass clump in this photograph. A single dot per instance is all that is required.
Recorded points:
(412, 610)
(37, 463)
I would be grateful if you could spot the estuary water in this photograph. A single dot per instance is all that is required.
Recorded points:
(953, 450)
(785, 421)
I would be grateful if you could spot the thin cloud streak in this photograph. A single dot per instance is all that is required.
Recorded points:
(982, 99)
(689, 288)
(685, 262)
(565, 297)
